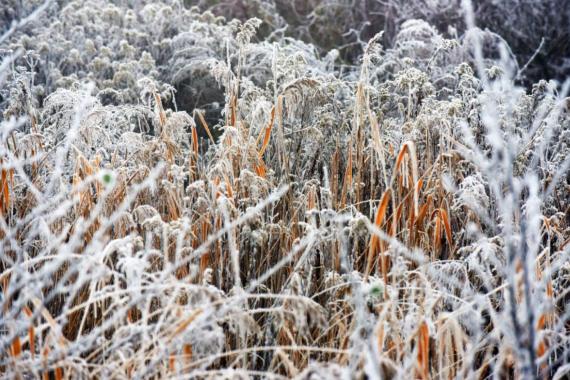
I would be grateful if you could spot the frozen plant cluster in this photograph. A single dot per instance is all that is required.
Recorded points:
(283, 189)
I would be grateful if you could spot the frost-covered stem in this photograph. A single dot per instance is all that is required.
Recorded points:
(528, 366)
(234, 252)
(530, 346)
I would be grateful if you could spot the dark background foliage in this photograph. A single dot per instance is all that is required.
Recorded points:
(349, 23)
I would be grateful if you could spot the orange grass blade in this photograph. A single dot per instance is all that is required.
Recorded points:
(31, 332)
(233, 107)
(399, 213)
(267, 134)
(411, 223)
(5, 191)
(205, 125)
(16, 347)
(423, 350)
(195, 141)
(265, 140)
(447, 227)
(45, 354)
(400, 158)
(437, 231)
(549, 289)
(419, 185)
(424, 210)
(260, 169)
(185, 323)
(347, 181)
(188, 352)
(380, 214)
(542, 347)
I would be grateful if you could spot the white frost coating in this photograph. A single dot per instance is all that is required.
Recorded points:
(187, 195)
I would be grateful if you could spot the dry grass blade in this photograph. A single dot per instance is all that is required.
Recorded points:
(437, 234)
(409, 149)
(380, 336)
(311, 199)
(195, 141)
(160, 110)
(412, 150)
(233, 111)
(31, 332)
(347, 182)
(400, 158)
(447, 227)
(423, 351)
(16, 349)
(542, 345)
(185, 323)
(419, 185)
(260, 169)
(55, 329)
(4, 191)
(229, 188)
(423, 212)
(187, 349)
(373, 243)
(375, 133)
(205, 126)
(266, 133)
(564, 244)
